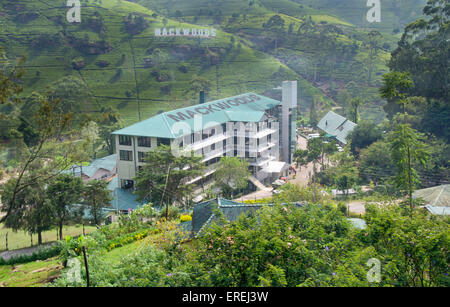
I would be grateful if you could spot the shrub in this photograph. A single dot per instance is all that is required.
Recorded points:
(185, 218)
(43, 253)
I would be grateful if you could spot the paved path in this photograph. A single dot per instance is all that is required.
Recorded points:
(23, 251)
(304, 173)
(261, 194)
(357, 207)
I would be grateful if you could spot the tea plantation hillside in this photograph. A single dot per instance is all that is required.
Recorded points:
(114, 56)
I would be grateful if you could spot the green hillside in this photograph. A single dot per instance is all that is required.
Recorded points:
(395, 14)
(117, 66)
(114, 59)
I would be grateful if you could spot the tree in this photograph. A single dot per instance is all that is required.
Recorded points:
(423, 52)
(407, 150)
(365, 134)
(395, 89)
(64, 193)
(164, 176)
(374, 45)
(32, 212)
(10, 85)
(96, 197)
(90, 133)
(344, 182)
(353, 112)
(109, 121)
(313, 118)
(376, 162)
(300, 157)
(158, 57)
(49, 153)
(314, 147)
(232, 174)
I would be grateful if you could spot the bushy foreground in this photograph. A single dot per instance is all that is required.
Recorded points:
(287, 246)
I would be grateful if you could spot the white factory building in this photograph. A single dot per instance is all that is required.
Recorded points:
(250, 126)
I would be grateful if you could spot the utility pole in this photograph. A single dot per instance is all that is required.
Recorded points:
(86, 266)
(164, 192)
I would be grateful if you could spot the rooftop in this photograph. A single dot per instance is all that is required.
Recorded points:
(248, 107)
(336, 126)
(436, 196)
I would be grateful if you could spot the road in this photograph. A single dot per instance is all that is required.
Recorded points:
(304, 173)
(302, 177)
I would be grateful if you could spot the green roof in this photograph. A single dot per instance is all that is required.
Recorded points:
(336, 126)
(436, 196)
(248, 107)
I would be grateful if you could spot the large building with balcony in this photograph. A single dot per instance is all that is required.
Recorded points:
(250, 126)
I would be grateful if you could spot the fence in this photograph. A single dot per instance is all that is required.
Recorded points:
(10, 240)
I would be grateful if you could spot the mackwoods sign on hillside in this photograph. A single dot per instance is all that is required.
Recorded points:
(185, 32)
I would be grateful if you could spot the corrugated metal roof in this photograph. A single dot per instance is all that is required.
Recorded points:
(124, 200)
(336, 126)
(436, 196)
(203, 213)
(108, 163)
(438, 210)
(358, 223)
(248, 107)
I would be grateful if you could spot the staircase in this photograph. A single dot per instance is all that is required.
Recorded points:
(257, 183)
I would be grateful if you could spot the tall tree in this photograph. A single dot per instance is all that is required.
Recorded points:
(353, 111)
(49, 151)
(363, 136)
(423, 52)
(232, 174)
(407, 150)
(164, 177)
(96, 197)
(109, 121)
(374, 45)
(395, 88)
(64, 194)
(32, 213)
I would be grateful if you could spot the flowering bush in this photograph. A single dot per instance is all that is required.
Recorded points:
(185, 218)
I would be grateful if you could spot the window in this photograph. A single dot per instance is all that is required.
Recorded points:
(144, 142)
(213, 147)
(163, 142)
(224, 128)
(126, 155)
(141, 156)
(126, 184)
(125, 140)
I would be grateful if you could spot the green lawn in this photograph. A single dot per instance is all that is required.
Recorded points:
(22, 239)
(32, 274)
(116, 254)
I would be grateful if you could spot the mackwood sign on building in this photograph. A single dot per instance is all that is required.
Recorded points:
(250, 126)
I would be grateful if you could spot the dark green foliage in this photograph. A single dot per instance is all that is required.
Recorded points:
(365, 134)
(63, 193)
(96, 197)
(160, 179)
(42, 254)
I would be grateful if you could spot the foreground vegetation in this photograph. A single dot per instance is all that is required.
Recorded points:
(22, 239)
(277, 246)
